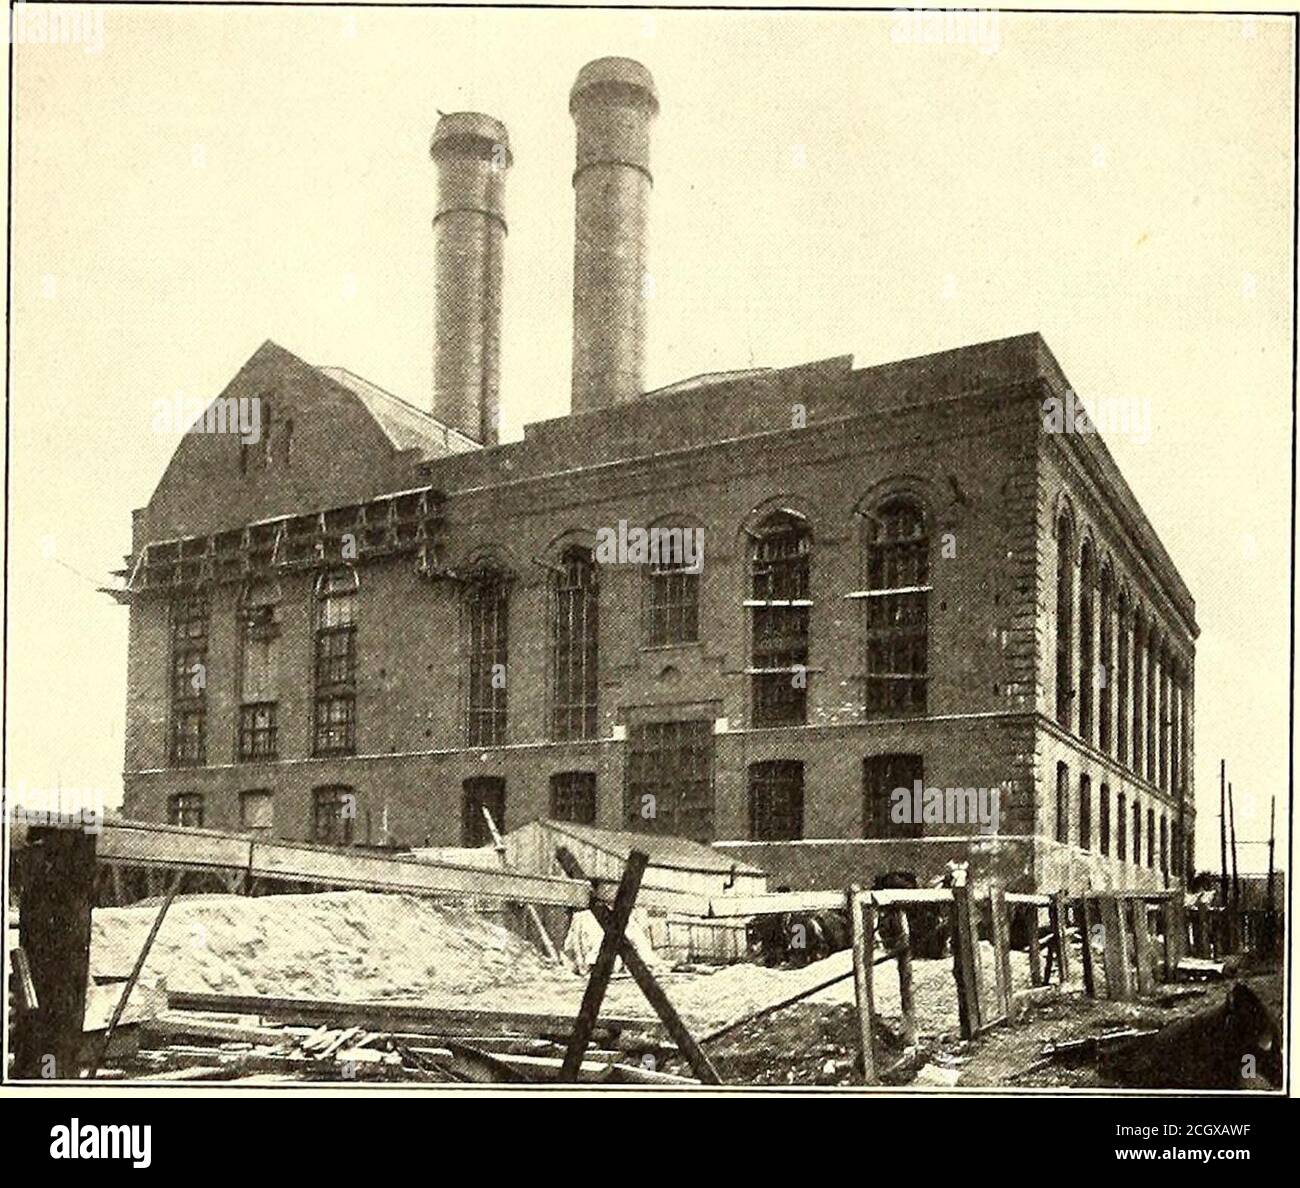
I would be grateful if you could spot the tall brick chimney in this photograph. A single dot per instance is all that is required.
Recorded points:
(612, 103)
(472, 152)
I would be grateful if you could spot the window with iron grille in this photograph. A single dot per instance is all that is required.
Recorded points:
(257, 730)
(1086, 675)
(1064, 620)
(185, 808)
(1062, 803)
(1085, 812)
(573, 797)
(1121, 827)
(898, 608)
(574, 633)
(780, 605)
(487, 620)
(482, 792)
(776, 800)
(670, 779)
(1103, 820)
(189, 681)
(334, 814)
(336, 664)
(672, 602)
(881, 775)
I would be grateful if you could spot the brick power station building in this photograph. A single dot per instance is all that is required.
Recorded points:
(374, 620)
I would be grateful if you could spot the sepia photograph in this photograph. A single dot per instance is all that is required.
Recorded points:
(647, 552)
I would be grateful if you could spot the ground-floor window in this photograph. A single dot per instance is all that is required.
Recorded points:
(255, 810)
(670, 779)
(776, 800)
(334, 815)
(573, 797)
(186, 808)
(881, 775)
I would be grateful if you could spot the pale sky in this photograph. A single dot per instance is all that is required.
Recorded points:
(213, 177)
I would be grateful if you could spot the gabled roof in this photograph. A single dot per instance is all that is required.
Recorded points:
(407, 427)
(670, 853)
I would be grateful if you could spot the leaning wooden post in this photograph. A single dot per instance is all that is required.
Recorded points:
(1001, 933)
(134, 977)
(603, 969)
(54, 916)
(695, 1056)
(1034, 946)
(965, 960)
(1057, 911)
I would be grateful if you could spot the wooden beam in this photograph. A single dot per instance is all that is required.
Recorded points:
(862, 915)
(1057, 912)
(1119, 984)
(1083, 912)
(906, 1000)
(655, 995)
(1034, 945)
(1143, 950)
(1001, 932)
(134, 977)
(965, 961)
(603, 969)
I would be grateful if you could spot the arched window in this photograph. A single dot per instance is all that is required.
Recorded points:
(1121, 682)
(1164, 844)
(1062, 803)
(189, 680)
(334, 814)
(1085, 812)
(1151, 839)
(780, 605)
(898, 608)
(1106, 663)
(1064, 619)
(185, 808)
(1121, 826)
(776, 800)
(487, 617)
(672, 588)
(1137, 832)
(1103, 821)
(1152, 740)
(1139, 688)
(336, 663)
(574, 644)
(1087, 678)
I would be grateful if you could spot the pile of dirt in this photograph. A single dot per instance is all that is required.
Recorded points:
(345, 945)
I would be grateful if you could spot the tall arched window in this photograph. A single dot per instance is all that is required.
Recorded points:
(487, 619)
(1106, 663)
(672, 589)
(1064, 619)
(574, 648)
(898, 607)
(1121, 682)
(1152, 739)
(1087, 678)
(1121, 826)
(190, 616)
(1139, 688)
(335, 723)
(780, 604)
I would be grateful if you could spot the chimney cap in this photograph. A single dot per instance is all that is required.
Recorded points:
(469, 130)
(616, 76)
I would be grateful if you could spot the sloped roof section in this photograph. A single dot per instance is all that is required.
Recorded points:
(671, 853)
(407, 427)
